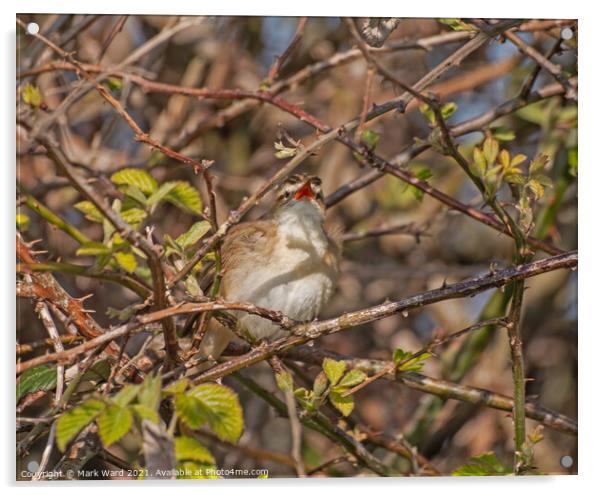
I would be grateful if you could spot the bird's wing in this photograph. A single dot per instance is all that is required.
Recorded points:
(244, 246)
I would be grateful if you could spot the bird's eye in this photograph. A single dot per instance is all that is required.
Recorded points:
(286, 194)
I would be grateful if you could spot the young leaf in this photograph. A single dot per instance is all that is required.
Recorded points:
(482, 465)
(224, 410)
(448, 110)
(503, 133)
(185, 197)
(284, 381)
(188, 448)
(351, 379)
(334, 370)
(370, 138)
(32, 95)
(22, 221)
(113, 423)
(127, 261)
(343, 404)
(126, 395)
(149, 394)
(133, 216)
(92, 248)
(320, 384)
(283, 152)
(160, 193)
(147, 413)
(490, 150)
(41, 377)
(90, 211)
(178, 387)
(74, 420)
(190, 411)
(480, 164)
(194, 233)
(135, 177)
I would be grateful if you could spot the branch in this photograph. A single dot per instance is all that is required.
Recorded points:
(441, 388)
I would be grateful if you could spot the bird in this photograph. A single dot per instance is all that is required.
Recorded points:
(285, 261)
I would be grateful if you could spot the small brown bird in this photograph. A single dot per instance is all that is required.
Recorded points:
(285, 261)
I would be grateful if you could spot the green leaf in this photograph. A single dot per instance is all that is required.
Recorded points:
(22, 221)
(185, 197)
(224, 410)
(99, 371)
(343, 404)
(284, 381)
(149, 394)
(427, 111)
(133, 216)
(370, 138)
(190, 411)
(457, 24)
(113, 83)
(334, 370)
(538, 163)
(448, 110)
(573, 160)
(404, 361)
(145, 412)
(516, 179)
(32, 95)
(320, 384)
(41, 377)
(194, 233)
(517, 160)
(90, 211)
(480, 164)
(503, 133)
(536, 188)
(127, 261)
(113, 423)
(188, 448)
(134, 193)
(482, 465)
(490, 150)
(135, 177)
(415, 364)
(351, 379)
(92, 248)
(178, 387)
(160, 193)
(126, 395)
(74, 420)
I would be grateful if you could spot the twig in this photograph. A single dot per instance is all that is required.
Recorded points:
(291, 407)
(440, 388)
(309, 331)
(551, 68)
(114, 32)
(320, 423)
(276, 66)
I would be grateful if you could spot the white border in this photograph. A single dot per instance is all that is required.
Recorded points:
(590, 344)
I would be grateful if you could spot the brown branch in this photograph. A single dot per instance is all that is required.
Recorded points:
(309, 331)
(153, 252)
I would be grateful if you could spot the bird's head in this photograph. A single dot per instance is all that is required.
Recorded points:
(301, 189)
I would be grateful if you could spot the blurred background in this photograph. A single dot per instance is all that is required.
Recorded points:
(237, 52)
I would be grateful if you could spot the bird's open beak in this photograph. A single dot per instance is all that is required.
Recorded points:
(305, 192)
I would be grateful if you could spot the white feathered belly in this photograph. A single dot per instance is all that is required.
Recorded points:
(300, 299)
(296, 281)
